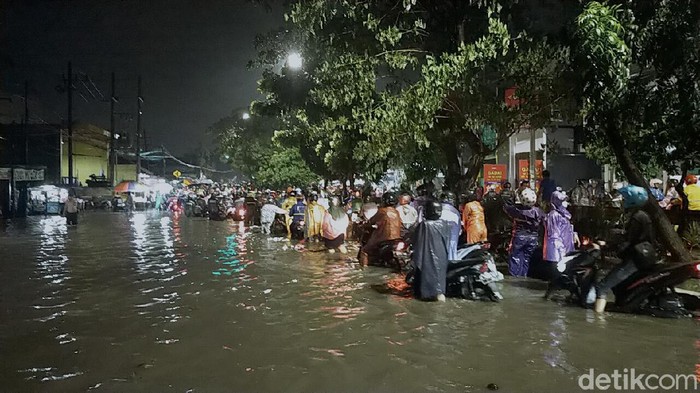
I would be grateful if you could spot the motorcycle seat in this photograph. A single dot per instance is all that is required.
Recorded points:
(473, 258)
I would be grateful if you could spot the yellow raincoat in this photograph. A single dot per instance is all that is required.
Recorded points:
(314, 219)
(474, 222)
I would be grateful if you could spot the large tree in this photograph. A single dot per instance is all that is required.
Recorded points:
(406, 81)
(245, 143)
(641, 69)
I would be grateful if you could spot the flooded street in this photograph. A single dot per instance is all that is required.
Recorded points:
(151, 303)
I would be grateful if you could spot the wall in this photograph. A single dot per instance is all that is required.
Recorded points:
(87, 160)
(125, 172)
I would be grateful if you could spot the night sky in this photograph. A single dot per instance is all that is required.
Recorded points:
(191, 55)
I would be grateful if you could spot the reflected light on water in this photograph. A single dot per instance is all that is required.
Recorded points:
(51, 255)
(154, 245)
(554, 356)
(334, 286)
(232, 260)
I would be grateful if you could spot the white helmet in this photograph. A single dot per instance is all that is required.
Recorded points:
(528, 197)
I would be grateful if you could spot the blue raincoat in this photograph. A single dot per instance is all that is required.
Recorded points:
(526, 224)
(452, 216)
(430, 243)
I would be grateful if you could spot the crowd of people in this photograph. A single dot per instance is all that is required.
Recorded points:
(438, 223)
(533, 227)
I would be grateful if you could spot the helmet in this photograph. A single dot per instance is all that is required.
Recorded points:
(404, 199)
(335, 201)
(433, 210)
(558, 198)
(528, 197)
(691, 179)
(448, 197)
(634, 196)
(469, 197)
(313, 197)
(389, 199)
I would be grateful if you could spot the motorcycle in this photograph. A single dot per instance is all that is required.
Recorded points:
(239, 211)
(279, 225)
(217, 208)
(298, 228)
(175, 206)
(576, 273)
(118, 204)
(472, 276)
(195, 207)
(393, 254)
(648, 291)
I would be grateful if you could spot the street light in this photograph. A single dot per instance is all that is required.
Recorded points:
(245, 116)
(295, 61)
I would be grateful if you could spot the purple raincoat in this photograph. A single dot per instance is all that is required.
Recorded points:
(559, 232)
(526, 225)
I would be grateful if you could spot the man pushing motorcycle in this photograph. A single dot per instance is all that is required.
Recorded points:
(637, 251)
(388, 227)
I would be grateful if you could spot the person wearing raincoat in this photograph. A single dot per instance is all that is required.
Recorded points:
(526, 224)
(431, 241)
(314, 218)
(474, 220)
(335, 227)
(451, 215)
(559, 235)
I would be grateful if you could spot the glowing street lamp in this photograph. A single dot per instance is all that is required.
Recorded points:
(245, 116)
(295, 61)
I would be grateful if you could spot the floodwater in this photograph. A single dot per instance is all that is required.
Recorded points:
(153, 303)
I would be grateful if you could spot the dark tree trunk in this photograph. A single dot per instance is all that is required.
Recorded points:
(664, 229)
(474, 166)
(454, 167)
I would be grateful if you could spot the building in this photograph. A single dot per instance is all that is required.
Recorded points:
(26, 149)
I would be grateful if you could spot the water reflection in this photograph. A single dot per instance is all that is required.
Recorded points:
(156, 262)
(52, 264)
(557, 334)
(53, 268)
(126, 303)
(233, 258)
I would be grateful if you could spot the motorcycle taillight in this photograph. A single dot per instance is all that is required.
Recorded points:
(400, 246)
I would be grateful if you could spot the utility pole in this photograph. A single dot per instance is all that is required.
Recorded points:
(139, 103)
(69, 89)
(25, 122)
(112, 139)
(533, 158)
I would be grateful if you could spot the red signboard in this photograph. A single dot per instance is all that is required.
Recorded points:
(495, 173)
(510, 98)
(524, 169)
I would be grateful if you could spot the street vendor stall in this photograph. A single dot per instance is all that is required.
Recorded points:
(46, 199)
(137, 190)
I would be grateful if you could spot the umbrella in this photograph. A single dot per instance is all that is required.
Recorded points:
(130, 186)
